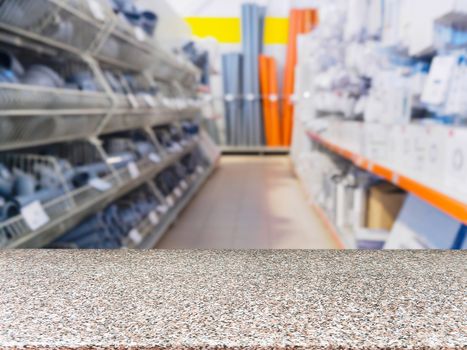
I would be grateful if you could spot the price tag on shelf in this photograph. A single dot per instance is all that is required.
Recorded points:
(162, 209)
(100, 185)
(155, 158)
(178, 192)
(170, 201)
(34, 215)
(140, 34)
(96, 10)
(184, 185)
(150, 100)
(133, 169)
(154, 218)
(133, 101)
(135, 236)
(199, 169)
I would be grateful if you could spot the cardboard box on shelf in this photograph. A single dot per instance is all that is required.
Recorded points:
(384, 204)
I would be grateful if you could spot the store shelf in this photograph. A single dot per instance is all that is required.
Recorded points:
(343, 238)
(153, 233)
(112, 42)
(21, 131)
(137, 119)
(443, 202)
(15, 233)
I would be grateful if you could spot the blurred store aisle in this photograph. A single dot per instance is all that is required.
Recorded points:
(249, 203)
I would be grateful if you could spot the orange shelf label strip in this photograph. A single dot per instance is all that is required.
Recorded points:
(446, 204)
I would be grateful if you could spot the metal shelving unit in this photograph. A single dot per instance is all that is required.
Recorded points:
(152, 233)
(102, 34)
(31, 116)
(87, 200)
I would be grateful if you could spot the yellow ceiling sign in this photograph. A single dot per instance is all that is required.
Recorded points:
(228, 29)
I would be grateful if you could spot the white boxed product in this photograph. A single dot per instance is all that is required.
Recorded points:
(359, 208)
(439, 80)
(456, 163)
(401, 149)
(436, 137)
(341, 204)
(352, 136)
(417, 161)
(376, 143)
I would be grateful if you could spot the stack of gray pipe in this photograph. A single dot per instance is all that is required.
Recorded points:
(232, 70)
(244, 122)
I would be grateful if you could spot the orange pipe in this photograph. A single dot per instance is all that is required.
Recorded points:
(275, 115)
(301, 21)
(289, 77)
(264, 85)
(315, 17)
(309, 20)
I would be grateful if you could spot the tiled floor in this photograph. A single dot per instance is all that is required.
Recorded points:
(249, 203)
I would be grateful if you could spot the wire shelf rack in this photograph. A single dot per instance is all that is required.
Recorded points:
(24, 131)
(80, 26)
(14, 97)
(69, 24)
(61, 188)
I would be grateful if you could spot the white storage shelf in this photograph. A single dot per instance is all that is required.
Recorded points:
(431, 160)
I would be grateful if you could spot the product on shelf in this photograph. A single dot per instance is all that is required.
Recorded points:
(384, 204)
(110, 229)
(421, 226)
(82, 83)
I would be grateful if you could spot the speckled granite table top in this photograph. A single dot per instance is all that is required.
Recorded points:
(232, 299)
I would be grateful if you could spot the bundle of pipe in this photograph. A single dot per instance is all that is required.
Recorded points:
(252, 46)
(232, 78)
(269, 92)
(301, 21)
